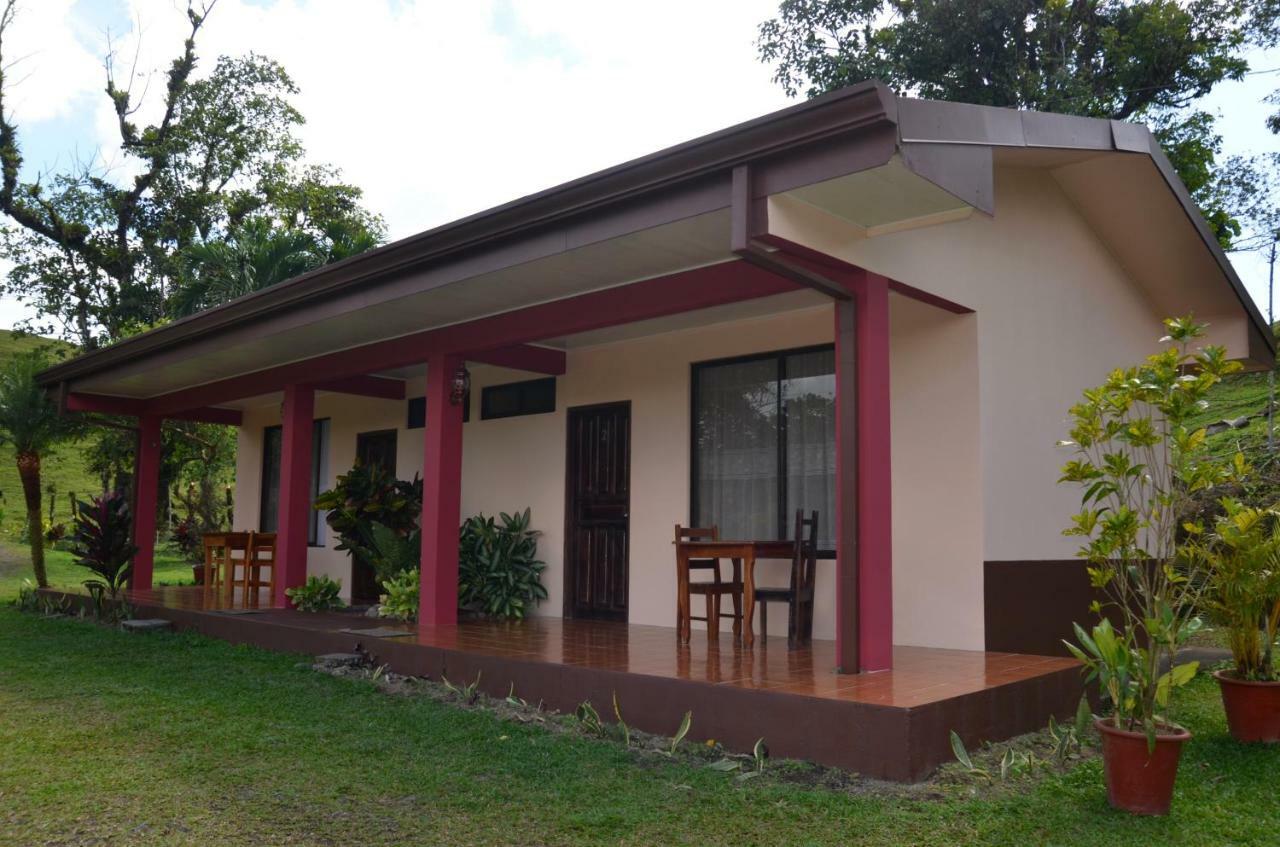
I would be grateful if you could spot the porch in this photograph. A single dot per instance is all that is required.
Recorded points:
(892, 725)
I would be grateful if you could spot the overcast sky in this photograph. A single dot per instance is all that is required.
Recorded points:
(442, 108)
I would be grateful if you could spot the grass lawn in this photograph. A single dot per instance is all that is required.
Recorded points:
(15, 566)
(175, 739)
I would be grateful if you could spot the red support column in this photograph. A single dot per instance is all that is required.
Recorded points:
(846, 519)
(294, 512)
(441, 497)
(864, 482)
(874, 474)
(146, 481)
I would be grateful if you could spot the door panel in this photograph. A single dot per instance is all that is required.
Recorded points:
(598, 494)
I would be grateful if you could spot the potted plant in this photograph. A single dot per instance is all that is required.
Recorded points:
(1139, 462)
(1241, 566)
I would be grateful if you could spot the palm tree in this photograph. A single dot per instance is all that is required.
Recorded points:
(30, 424)
(258, 256)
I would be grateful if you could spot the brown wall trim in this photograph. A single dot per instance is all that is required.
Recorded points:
(1029, 606)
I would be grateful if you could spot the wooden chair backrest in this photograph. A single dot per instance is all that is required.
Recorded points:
(264, 547)
(697, 533)
(805, 559)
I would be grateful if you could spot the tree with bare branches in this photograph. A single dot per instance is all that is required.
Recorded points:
(99, 258)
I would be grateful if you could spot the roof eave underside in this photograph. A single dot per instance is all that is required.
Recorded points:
(847, 130)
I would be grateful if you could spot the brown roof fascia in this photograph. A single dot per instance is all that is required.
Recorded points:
(833, 114)
(925, 123)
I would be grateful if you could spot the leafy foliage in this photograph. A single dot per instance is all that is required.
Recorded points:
(100, 542)
(317, 594)
(99, 256)
(1146, 60)
(1240, 562)
(1139, 463)
(367, 496)
(499, 573)
(30, 425)
(392, 553)
(401, 600)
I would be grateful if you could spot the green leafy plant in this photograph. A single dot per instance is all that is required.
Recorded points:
(393, 551)
(685, 723)
(1139, 462)
(317, 594)
(588, 718)
(101, 543)
(499, 573)
(470, 692)
(401, 598)
(27, 600)
(367, 496)
(622, 725)
(962, 756)
(1240, 563)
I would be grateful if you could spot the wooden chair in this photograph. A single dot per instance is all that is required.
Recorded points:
(798, 595)
(262, 554)
(716, 587)
(223, 552)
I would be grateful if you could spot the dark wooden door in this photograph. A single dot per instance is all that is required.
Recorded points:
(376, 448)
(597, 511)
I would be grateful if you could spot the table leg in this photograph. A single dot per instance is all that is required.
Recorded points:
(748, 597)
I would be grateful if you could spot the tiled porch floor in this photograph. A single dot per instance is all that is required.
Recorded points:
(920, 676)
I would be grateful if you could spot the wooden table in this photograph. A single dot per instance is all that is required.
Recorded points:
(746, 552)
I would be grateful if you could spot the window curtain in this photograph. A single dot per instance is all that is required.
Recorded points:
(736, 435)
(765, 444)
(808, 403)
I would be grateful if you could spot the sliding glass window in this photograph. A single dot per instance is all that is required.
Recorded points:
(764, 444)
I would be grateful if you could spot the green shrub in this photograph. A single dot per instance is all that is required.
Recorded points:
(1139, 460)
(100, 542)
(401, 600)
(317, 594)
(393, 552)
(499, 573)
(1240, 560)
(363, 497)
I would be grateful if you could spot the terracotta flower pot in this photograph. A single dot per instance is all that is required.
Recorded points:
(1138, 781)
(1253, 708)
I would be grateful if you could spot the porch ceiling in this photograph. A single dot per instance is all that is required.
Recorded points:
(693, 242)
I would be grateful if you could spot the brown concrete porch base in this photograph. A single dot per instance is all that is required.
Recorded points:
(893, 725)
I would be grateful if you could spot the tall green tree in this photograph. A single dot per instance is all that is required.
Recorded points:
(1135, 60)
(30, 424)
(102, 254)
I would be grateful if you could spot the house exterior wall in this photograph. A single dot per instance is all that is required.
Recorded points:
(978, 403)
(519, 462)
(1054, 313)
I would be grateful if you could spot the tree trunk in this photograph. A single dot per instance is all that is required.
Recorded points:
(29, 473)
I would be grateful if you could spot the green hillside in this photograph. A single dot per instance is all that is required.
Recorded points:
(1244, 396)
(63, 467)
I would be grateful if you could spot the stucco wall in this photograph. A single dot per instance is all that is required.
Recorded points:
(512, 463)
(1054, 313)
(978, 402)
